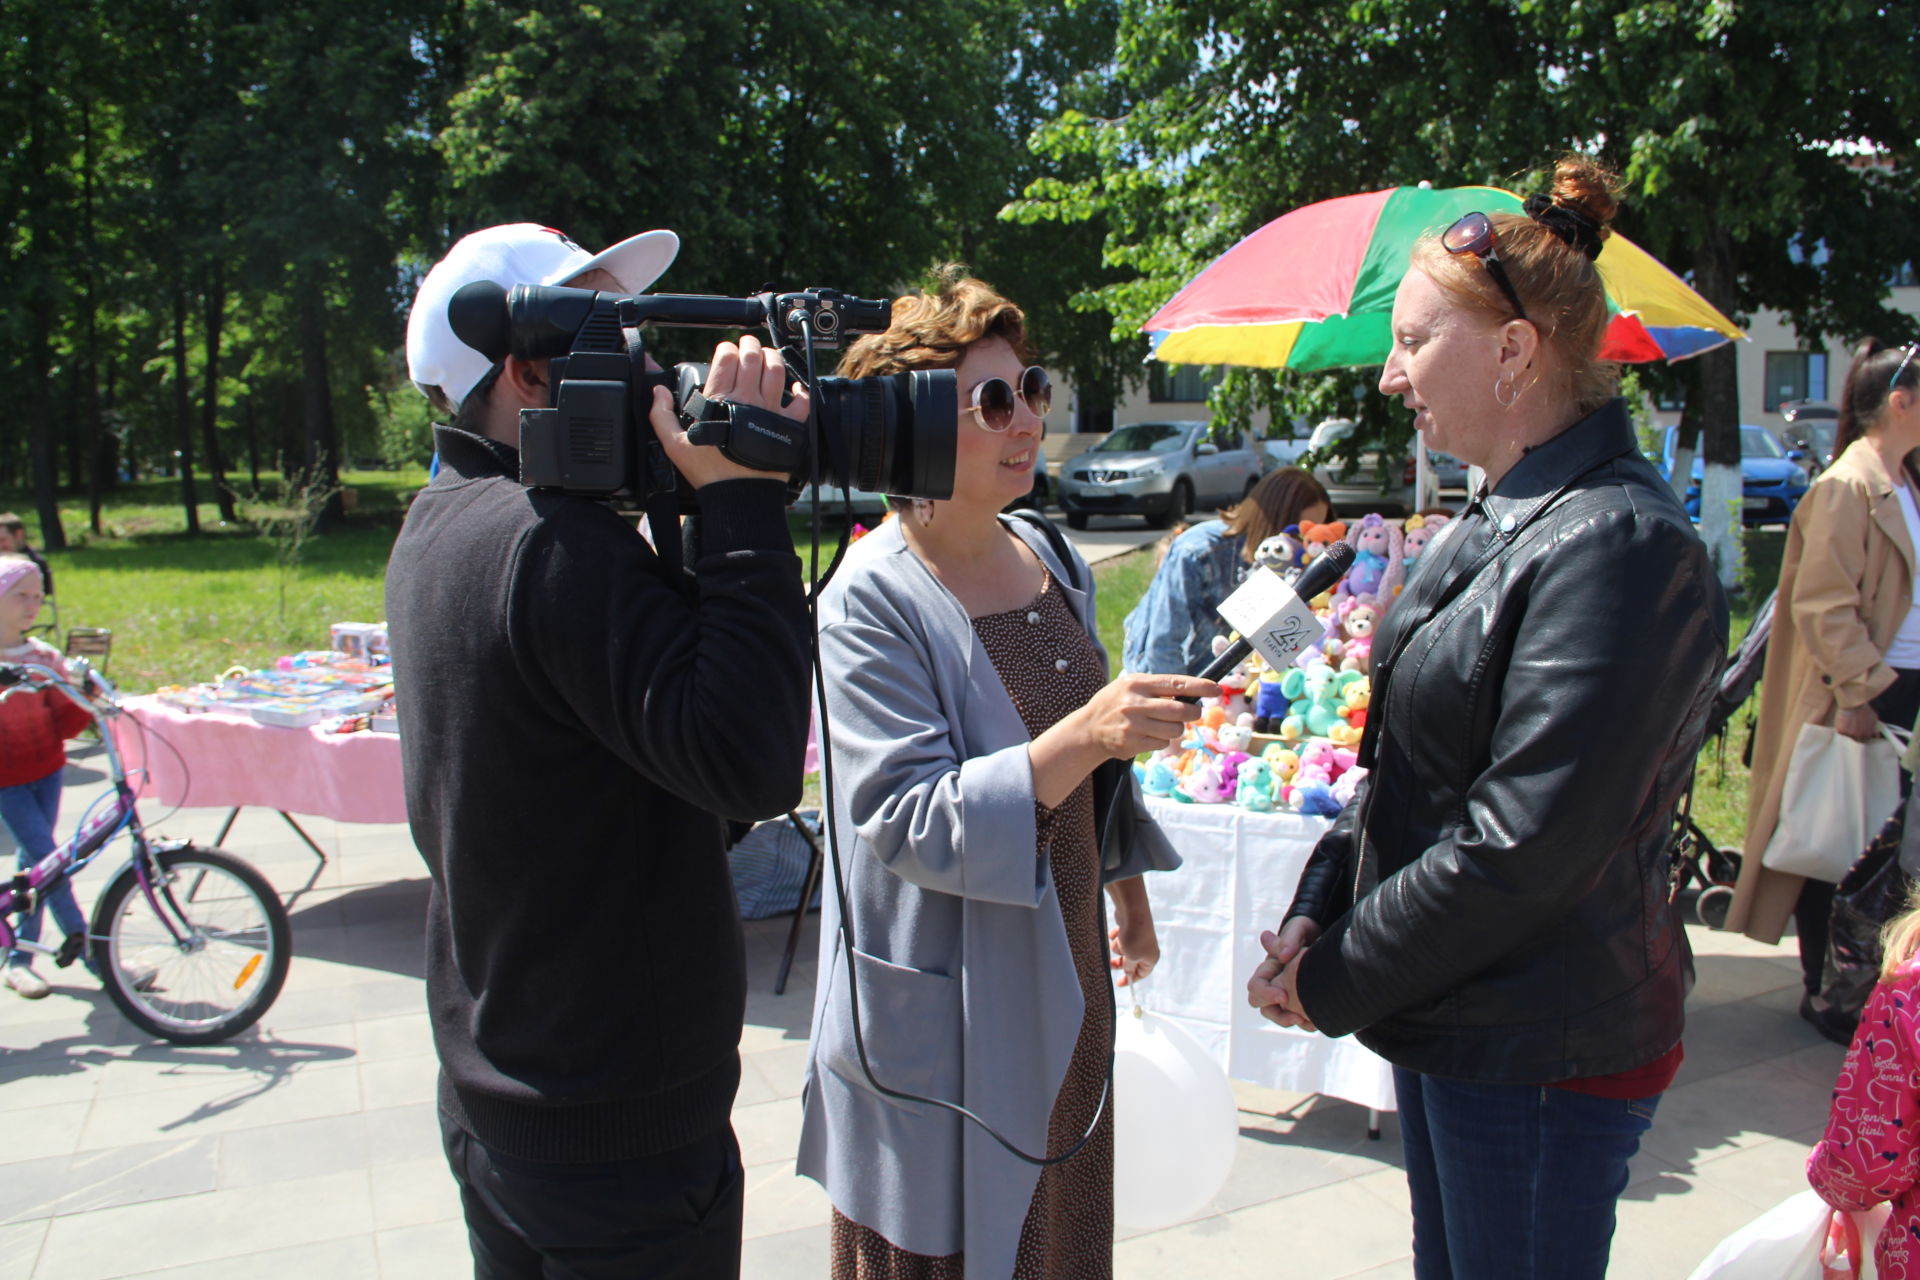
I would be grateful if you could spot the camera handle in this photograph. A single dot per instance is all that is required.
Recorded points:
(749, 435)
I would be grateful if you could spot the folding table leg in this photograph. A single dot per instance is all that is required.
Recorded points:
(318, 852)
(815, 866)
(1373, 1124)
(226, 826)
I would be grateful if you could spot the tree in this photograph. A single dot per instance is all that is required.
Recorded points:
(1740, 128)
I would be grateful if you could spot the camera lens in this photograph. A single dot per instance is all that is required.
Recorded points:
(894, 434)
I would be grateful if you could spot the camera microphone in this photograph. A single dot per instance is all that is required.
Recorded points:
(1325, 571)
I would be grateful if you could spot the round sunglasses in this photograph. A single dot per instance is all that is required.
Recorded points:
(1473, 234)
(995, 399)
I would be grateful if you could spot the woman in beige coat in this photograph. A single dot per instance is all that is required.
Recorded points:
(1845, 649)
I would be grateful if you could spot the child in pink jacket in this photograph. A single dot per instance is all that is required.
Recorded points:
(1871, 1151)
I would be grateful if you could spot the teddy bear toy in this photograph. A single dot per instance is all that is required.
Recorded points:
(1358, 619)
(1353, 710)
(1417, 533)
(1282, 760)
(1254, 788)
(1234, 698)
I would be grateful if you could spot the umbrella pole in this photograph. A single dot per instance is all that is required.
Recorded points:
(1426, 490)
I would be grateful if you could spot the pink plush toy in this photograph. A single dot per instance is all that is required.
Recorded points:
(1376, 569)
(1359, 619)
(1418, 532)
(1207, 784)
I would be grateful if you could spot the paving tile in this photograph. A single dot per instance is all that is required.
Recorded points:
(1666, 1225)
(206, 1227)
(414, 1194)
(434, 1252)
(36, 1132)
(1735, 1109)
(222, 1107)
(259, 1056)
(1722, 1037)
(349, 1258)
(20, 1247)
(790, 1255)
(1248, 1242)
(91, 1180)
(388, 997)
(1719, 979)
(780, 1200)
(769, 1132)
(754, 1088)
(298, 1149)
(1762, 1175)
(784, 1068)
(400, 1081)
(401, 1134)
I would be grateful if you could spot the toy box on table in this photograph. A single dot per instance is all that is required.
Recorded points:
(352, 686)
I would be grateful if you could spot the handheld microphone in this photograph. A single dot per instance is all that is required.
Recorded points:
(1327, 570)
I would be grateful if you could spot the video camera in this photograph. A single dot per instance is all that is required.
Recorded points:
(894, 434)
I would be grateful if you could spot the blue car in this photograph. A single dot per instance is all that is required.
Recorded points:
(1772, 482)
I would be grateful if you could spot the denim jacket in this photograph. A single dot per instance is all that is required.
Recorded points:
(1171, 630)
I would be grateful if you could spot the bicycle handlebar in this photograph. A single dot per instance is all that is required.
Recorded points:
(25, 677)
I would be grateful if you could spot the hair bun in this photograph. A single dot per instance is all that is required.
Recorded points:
(1588, 187)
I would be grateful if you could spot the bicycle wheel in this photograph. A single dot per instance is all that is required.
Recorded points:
(216, 970)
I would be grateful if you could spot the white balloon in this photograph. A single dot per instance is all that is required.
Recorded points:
(1175, 1123)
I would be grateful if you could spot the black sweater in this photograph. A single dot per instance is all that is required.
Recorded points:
(573, 730)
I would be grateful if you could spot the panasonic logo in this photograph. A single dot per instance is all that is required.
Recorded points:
(771, 435)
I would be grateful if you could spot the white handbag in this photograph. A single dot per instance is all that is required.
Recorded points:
(1838, 794)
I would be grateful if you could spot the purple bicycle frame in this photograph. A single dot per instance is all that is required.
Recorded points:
(99, 827)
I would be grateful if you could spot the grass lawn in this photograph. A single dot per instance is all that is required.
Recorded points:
(187, 608)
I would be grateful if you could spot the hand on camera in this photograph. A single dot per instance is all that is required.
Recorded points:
(748, 373)
(1140, 712)
(1274, 988)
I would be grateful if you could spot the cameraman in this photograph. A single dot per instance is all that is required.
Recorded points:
(575, 728)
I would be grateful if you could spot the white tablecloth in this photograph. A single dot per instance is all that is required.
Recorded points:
(1239, 877)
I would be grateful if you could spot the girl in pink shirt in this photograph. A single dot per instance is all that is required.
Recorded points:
(1871, 1151)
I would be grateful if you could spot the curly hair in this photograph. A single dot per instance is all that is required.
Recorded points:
(933, 330)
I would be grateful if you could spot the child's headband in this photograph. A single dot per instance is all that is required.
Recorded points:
(12, 571)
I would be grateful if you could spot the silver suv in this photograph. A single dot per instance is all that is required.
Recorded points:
(1161, 470)
(1366, 483)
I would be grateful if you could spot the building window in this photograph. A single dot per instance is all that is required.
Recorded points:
(1794, 375)
(1178, 384)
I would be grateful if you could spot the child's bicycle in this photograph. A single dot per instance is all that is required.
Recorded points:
(192, 944)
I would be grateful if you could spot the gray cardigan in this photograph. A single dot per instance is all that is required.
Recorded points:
(966, 982)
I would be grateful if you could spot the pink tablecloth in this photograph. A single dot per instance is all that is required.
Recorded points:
(222, 761)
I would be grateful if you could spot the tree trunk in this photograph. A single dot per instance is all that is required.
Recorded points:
(216, 305)
(1718, 398)
(40, 310)
(183, 409)
(322, 461)
(253, 446)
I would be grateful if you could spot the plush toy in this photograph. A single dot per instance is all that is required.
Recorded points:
(1233, 741)
(1317, 692)
(1234, 699)
(1420, 531)
(1254, 788)
(1158, 778)
(1284, 553)
(1316, 538)
(1207, 784)
(1282, 760)
(1271, 701)
(1316, 799)
(1353, 711)
(1376, 564)
(1358, 619)
(1343, 790)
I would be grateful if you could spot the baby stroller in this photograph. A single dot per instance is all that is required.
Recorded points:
(1696, 859)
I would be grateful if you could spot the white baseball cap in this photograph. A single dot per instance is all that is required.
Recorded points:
(518, 253)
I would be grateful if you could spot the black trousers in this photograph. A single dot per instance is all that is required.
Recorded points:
(672, 1216)
(1897, 705)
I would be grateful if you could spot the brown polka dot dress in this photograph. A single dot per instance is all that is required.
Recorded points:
(1050, 668)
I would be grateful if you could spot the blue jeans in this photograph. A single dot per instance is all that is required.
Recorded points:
(30, 811)
(1513, 1181)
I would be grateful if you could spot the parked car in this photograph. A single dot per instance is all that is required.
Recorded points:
(1363, 484)
(1772, 484)
(1285, 442)
(1160, 470)
(1813, 431)
(871, 507)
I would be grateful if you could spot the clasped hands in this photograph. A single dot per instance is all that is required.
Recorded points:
(1274, 988)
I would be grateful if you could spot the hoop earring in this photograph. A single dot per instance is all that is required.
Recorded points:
(923, 511)
(1511, 385)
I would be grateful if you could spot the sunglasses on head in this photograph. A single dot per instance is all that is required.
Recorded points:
(1913, 349)
(1473, 234)
(994, 399)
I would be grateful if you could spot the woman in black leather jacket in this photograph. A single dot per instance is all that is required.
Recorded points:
(1490, 913)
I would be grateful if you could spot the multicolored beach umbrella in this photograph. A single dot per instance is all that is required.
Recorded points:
(1314, 289)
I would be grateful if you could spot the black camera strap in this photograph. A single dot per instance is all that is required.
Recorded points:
(751, 436)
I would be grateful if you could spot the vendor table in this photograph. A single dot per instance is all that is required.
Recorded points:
(224, 760)
(1238, 879)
